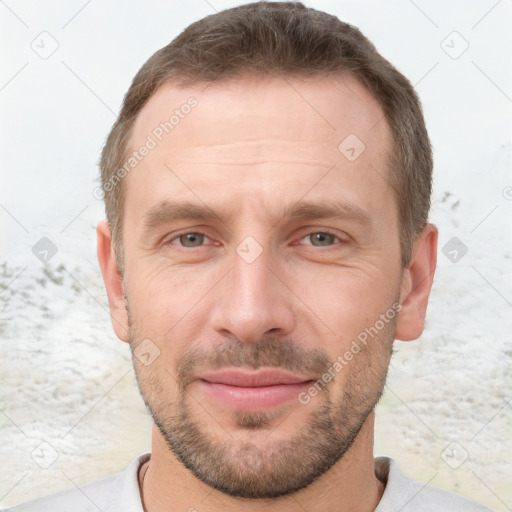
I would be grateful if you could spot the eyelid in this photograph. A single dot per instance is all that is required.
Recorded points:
(342, 237)
(175, 236)
(310, 243)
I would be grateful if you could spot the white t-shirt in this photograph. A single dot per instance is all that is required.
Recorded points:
(120, 493)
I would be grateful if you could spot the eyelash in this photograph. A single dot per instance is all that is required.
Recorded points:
(323, 232)
(339, 239)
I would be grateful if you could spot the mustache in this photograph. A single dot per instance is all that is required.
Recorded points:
(267, 352)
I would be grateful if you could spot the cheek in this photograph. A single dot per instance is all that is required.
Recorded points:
(157, 385)
(162, 297)
(346, 300)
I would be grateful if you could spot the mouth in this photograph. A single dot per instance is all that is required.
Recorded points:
(251, 391)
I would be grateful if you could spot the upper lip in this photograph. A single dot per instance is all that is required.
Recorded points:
(253, 379)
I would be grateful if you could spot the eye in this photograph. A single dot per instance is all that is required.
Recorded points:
(189, 239)
(321, 239)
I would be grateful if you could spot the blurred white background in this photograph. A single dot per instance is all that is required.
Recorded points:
(69, 408)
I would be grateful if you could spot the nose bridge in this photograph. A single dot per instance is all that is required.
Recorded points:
(252, 301)
(251, 277)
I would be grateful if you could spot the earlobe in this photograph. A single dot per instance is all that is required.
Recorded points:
(416, 285)
(113, 281)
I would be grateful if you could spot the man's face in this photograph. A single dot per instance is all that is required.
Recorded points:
(254, 242)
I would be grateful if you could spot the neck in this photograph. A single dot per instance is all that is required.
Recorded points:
(349, 485)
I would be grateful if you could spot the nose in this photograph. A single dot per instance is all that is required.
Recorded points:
(252, 301)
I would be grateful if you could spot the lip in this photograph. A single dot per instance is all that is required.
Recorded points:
(248, 391)
(253, 379)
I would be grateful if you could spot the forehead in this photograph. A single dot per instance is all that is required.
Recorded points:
(328, 106)
(254, 132)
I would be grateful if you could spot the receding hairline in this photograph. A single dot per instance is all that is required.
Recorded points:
(180, 81)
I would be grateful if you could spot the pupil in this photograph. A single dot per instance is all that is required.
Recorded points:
(323, 238)
(191, 239)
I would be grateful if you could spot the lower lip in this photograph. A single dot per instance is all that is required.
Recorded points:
(253, 398)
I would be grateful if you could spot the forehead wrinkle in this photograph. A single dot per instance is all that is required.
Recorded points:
(246, 153)
(253, 163)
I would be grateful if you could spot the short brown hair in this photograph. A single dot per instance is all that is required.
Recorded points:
(282, 38)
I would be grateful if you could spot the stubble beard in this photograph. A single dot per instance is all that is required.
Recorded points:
(269, 468)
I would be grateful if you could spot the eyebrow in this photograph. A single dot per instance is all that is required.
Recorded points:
(169, 211)
(328, 209)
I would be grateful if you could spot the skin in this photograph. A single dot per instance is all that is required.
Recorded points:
(250, 149)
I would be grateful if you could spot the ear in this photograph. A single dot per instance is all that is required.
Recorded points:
(113, 281)
(416, 284)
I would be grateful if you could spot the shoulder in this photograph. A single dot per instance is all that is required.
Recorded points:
(406, 495)
(119, 492)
